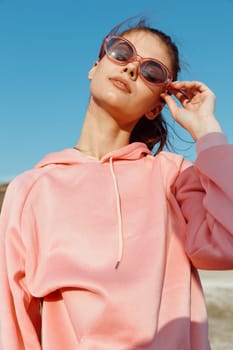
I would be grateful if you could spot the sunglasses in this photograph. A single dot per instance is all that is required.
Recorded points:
(121, 51)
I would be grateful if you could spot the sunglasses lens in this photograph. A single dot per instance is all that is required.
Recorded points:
(119, 49)
(153, 72)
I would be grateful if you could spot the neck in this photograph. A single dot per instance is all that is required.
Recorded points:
(101, 134)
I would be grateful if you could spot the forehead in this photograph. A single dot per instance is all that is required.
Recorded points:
(149, 45)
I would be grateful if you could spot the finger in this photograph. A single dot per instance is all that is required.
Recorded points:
(193, 86)
(172, 105)
(181, 94)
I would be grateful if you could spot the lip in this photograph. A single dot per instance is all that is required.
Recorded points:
(121, 84)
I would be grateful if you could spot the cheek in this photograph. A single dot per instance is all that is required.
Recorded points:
(97, 81)
(155, 97)
(99, 78)
(148, 99)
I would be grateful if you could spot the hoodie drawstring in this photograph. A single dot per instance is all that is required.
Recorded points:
(119, 216)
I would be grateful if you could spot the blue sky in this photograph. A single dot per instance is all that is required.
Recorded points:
(48, 46)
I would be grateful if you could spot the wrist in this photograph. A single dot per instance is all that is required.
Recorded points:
(213, 127)
(209, 140)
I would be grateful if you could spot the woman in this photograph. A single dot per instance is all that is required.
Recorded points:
(100, 244)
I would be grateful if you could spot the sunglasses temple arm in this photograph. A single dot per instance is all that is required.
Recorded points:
(181, 91)
(184, 94)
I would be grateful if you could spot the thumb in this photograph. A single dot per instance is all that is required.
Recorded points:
(172, 105)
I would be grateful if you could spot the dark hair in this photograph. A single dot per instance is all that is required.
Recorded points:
(152, 132)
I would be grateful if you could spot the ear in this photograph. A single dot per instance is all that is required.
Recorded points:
(155, 111)
(92, 70)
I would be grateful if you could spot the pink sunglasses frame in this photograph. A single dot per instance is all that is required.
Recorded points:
(135, 57)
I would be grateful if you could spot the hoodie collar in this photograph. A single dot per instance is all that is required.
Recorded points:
(132, 151)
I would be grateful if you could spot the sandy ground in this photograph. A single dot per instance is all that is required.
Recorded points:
(218, 288)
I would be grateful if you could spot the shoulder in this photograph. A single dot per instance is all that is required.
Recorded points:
(169, 161)
(170, 165)
(20, 187)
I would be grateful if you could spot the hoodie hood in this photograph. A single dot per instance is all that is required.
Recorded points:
(133, 151)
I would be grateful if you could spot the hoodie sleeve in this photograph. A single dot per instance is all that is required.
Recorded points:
(19, 311)
(204, 191)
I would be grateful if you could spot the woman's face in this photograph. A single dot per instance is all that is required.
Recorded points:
(120, 90)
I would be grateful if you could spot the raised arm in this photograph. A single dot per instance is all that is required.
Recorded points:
(204, 192)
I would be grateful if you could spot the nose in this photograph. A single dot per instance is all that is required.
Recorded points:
(131, 69)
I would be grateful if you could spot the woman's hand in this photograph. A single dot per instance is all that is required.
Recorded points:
(195, 112)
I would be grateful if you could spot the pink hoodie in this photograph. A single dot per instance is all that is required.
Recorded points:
(65, 225)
